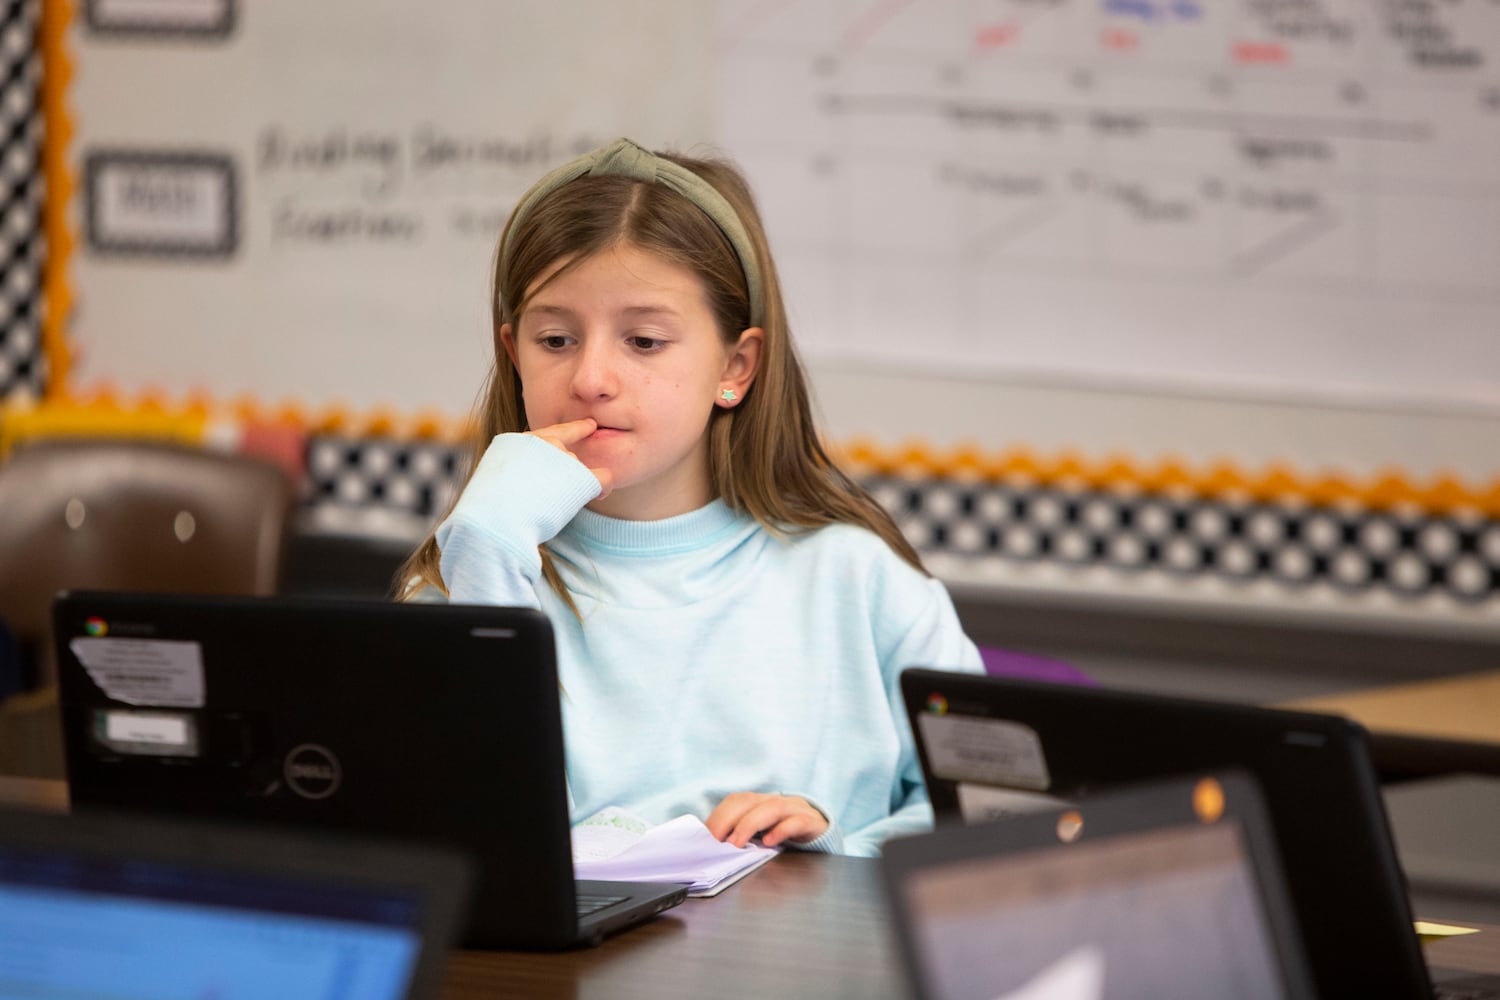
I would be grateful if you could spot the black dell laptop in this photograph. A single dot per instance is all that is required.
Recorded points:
(433, 723)
(1168, 888)
(993, 746)
(96, 905)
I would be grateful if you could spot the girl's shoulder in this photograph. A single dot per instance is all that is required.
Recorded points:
(861, 569)
(854, 546)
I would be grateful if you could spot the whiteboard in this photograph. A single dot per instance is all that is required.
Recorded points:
(292, 201)
(298, 202)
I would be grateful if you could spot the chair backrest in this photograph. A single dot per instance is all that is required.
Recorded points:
(133, 515)
(12, 676)
(1028, 666)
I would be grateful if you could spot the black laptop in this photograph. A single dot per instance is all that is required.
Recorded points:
(435, 723)
(95, 905)
(1168, 888)
(992, 745)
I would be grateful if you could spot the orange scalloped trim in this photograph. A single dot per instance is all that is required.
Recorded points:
(1278, 482)
(103, 410)
(57, 134)
(99, 417)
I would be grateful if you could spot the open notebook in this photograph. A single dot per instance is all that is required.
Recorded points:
(114, 906)
(615, 844)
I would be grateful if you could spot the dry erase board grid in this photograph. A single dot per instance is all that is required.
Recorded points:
(1293, 546)
(22, 361)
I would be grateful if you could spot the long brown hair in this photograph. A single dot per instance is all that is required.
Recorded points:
(764, 455)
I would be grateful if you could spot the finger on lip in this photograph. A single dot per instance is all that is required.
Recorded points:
(576, 430)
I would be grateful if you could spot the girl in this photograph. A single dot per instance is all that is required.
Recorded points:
(731, 611)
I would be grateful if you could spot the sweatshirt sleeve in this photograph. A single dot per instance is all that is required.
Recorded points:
(935, 638)
(522, 493)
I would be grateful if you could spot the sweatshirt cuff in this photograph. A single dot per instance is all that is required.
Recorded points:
(522, 493)
(830, 841)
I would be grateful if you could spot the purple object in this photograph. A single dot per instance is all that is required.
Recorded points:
(1008, 663)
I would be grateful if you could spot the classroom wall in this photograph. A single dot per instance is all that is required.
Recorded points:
(1171, 302)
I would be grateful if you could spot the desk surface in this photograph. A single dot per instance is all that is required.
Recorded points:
(1446, 726)
(1464, 708)
(802, 926)
(34, 793)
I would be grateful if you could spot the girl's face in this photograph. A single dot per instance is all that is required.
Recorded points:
(628, 339)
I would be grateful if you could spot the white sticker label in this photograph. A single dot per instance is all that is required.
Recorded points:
(145, 727)
(989, 751)
(162, 672)
(977, 803)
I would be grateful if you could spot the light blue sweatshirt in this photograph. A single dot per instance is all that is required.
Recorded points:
(711, 656)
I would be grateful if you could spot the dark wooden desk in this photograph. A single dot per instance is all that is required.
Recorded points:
(802, 926)
(1474, 954)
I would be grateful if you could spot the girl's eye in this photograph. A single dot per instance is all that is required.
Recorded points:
(553, 342)
(645, 343)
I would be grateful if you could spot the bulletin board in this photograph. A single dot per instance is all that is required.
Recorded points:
(292, 202)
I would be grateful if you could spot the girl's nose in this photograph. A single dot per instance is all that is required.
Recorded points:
(594, 377)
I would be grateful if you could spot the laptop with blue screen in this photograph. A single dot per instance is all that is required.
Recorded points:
(95, 905)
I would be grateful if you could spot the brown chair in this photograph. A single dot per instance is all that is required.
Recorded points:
(130, 515)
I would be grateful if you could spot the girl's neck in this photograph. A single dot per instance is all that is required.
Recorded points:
(688, 529)
(645, 504)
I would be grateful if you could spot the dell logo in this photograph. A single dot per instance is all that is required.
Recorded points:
(312, 771)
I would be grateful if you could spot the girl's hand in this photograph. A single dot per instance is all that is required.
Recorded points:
(564, 436)
(777, 818)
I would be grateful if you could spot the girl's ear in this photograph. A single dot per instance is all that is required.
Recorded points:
(741, 367)
(506, 340)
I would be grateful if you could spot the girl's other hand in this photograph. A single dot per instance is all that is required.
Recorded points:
(564, 436)
(777, 818)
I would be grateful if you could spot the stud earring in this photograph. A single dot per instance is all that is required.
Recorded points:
(728, 395)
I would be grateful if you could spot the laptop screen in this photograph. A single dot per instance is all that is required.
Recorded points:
(82, 927)
(1167, 888)
(109, 906)
(1170, 912)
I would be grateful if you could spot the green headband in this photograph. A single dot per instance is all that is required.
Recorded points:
(623, 158)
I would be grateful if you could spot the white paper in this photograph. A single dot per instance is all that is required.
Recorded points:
(605, 834)
(616, 846)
